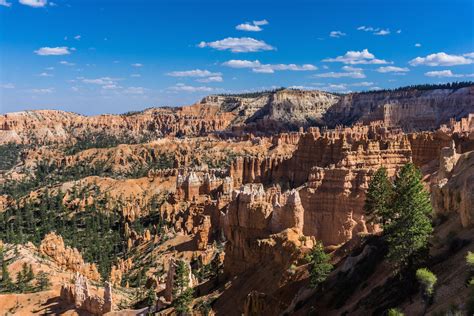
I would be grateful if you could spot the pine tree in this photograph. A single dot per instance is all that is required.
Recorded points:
(410, 227)
(6, 283)
(183, 296)
(42, 280)
(320, 266)
(378, 198)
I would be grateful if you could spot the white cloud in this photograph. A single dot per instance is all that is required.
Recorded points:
(103, 81)
(365, 28)
(469, 55)
(337, 34)
(441, 59)
(45, 74)
(66, 63)
(417, 45)
(77, 37)
(34, 3)
(211, 79)
(260, 22)
(376, 30)
(135, 75)
(53, 51)
(7, 86)
(238, 45)
(301, 88)
(362, 84)
(193, 73)
(248, 27)
(349, 72)
(137, 65)
(134, 90)
(5, 3)
(42, 91)
(258, 67)
(442, 74)
(392, 69)
(336, 88)
(181, 87)
(357, 57)
(399, 31)
(75, 89)
(383, 32)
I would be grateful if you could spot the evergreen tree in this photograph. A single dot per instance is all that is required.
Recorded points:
(43, 282)
(182, 294)
(320, 266)
(6, 283)
(378, 198)
(410, 227)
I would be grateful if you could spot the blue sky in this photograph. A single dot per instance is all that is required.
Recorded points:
(98, 56)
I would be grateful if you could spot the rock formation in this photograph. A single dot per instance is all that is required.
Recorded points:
(79, 295)
(69, 258)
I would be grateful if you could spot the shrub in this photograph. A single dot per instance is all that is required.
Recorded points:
(427, 280)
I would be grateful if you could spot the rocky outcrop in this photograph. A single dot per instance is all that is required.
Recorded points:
(79, 295)
(452, 190)
(257, 230)
(66, 257)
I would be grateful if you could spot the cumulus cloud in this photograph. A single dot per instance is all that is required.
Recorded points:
(181, 87)
(349, 72)
(5, 3)
(137, 65)
(194, 73)
(469, 55)
(260, 22)
(251, 26)
(77, 37)
(442, 74)
(248, 27)
(135, 75)
(258, 67)
(337, 34)
(34, 3)
(392, 69)
(238, 45)
(363, 84)
(52, 51)
(382, 32)
(441, 59)
(417, 45)
(357, 57)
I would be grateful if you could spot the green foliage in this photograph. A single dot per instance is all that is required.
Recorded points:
(319, 265)
(427, 280)
(378, 200)
(424, 87)
(151, 297)
(394, 312)
(470, 259)
(24, 278)
(10, 153)
(182, 295)
(255, 94)
(6, 282)
(43, 282)
(410, 227)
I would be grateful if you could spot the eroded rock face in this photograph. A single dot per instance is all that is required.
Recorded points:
(256, 226)
(79, 295)
(69, 258)
(453, 188)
